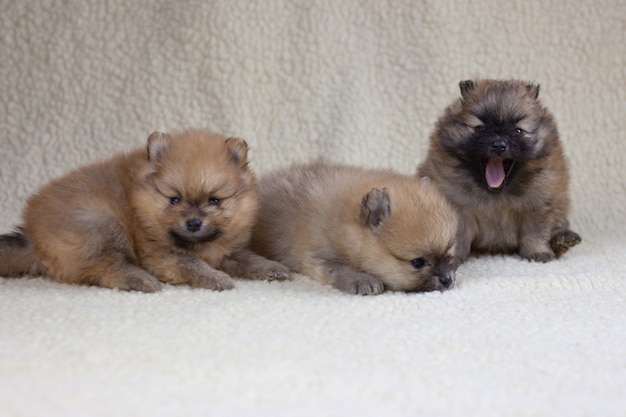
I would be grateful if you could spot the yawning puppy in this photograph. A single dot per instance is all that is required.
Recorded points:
(496, 155)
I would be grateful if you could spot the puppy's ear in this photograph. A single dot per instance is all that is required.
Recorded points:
(466, 86)
(425, 181)
(375, 207)
(238, 151)
(157, 144)
(533, 90)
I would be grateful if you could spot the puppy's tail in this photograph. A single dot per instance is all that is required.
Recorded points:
(17, 256)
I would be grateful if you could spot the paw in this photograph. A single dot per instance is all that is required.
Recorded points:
(130, 278)
(197, 274)
(145, 283)
(246, 264)
(563, 240)
(540, 257)
(361, 284)
(216, 281)
(537, 250)
(271, 271)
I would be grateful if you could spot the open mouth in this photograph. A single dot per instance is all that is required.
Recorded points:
(496, 172)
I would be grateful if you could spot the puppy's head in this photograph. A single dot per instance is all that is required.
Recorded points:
(414, 228)
(495, 129)
(201, 189)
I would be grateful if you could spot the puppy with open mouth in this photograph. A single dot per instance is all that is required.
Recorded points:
(496, 155)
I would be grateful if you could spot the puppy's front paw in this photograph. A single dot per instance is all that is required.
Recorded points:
(246, 264)
(271, 271)
(130, 278)
(360, 284)
(536, 249)
(216, 281)
(198, 274)
(369, 287)
(563, 240)
(143, 282)
(541, 257)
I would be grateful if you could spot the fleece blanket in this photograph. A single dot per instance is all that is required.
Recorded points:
(354, 81)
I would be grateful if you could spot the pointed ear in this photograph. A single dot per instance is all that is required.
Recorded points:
(157, 144)
(533, 90)
(375, 207)
(238, 151)
(425, 181)
(466, 87)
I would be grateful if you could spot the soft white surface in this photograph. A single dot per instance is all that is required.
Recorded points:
(356, 81)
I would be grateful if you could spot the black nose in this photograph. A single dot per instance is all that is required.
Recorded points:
(446, 280)
(499, 147)
(193, 225)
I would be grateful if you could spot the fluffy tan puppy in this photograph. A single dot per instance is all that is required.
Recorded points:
(179, 211)
(359, 230)
(496, 155)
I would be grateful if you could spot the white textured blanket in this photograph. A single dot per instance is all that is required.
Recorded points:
(355, 81)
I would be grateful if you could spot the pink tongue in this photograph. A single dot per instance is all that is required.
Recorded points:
(494, 173)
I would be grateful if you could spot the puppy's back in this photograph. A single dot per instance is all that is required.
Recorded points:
(303, 207)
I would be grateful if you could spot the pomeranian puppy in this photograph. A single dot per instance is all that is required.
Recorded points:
(179, 211)
(360, 230)
(496, 155)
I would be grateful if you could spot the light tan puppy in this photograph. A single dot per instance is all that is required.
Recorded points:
(179, 211)
(496, 155)
(359, 230)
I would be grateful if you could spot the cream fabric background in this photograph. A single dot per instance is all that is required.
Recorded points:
(355, 81)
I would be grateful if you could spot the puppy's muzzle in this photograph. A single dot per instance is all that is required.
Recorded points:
(446, 280)
(498, 147)
(193, 225)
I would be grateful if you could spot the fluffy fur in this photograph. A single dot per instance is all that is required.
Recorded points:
(496, 155)
(179, 211)
(359, 230)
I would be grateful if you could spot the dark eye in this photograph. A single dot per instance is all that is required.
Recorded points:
(174, 200)
(418, 262)
(214, 201)
(479, 128)
(519, 131)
